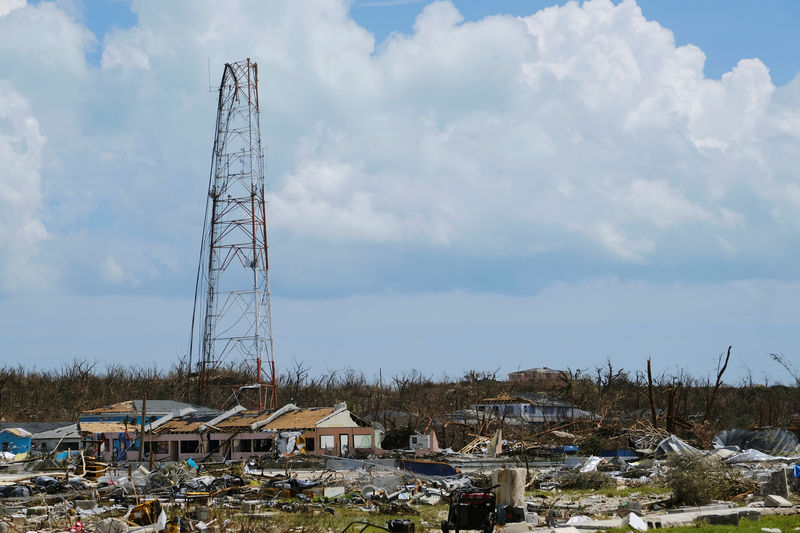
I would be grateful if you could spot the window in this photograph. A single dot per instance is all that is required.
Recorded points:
(246, 445)
(326, 442)
(189, 446)
(310, 444)
(262, 445)
(213, 446)
(362, 441)
(160, 448)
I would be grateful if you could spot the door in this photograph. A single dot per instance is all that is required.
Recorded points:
(343, 444)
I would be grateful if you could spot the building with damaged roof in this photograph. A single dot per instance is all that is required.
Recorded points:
(524, 410)
(530, 408)
(12, 436)
(241, 433)
(14, 440)
(63, 437)
(112, 430)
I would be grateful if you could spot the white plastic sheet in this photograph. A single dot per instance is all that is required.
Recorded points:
(591, 464)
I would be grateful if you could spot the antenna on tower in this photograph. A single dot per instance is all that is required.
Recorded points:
(232, 293)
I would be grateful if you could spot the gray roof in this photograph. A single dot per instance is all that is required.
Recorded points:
(33, 427)
(168, 406)
(68, 432)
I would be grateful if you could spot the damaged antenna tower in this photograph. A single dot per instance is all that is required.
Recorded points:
(232, 295)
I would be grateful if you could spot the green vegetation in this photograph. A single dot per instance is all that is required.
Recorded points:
(318, 520)
(622, 492)
(784, 523)
(587, 480)
(416, 402)
(698, 481)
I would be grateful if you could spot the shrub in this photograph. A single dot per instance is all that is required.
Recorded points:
(587, 480)
(696, 480)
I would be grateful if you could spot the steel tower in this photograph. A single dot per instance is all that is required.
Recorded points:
(232, 294)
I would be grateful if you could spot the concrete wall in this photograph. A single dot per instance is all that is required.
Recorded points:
(245, 445)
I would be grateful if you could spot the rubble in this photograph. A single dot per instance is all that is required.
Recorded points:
(84, 493)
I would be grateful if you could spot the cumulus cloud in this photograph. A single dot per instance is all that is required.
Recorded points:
(582, 129)
(21, 226)
(584, 119)
(7, 6)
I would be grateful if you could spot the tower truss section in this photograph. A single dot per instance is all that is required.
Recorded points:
(232, 294)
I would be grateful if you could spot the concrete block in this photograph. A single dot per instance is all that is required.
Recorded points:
(635, 522)
(512, 486)
(532, 518)
(777, 484)
(774, 500)
(753, 515)
(333, 492)
(725, 519)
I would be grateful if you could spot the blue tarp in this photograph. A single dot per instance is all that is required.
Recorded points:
(62, 456)
(426, 468)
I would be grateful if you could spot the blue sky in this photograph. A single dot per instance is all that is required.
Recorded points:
(453, 185)
(726, 30)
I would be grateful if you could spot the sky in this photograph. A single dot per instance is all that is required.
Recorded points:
(452, 185)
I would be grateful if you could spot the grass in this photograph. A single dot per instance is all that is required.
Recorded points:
(314, 520)
(784, 523)
(609, 492)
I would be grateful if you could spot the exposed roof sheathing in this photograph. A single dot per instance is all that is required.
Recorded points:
(504, 399)
(300, 418)
(153, 407)
(121, 407)
(104, 427)
(243, 420)
(182, 425)
(19, 432)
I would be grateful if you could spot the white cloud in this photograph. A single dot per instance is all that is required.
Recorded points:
(21, 226)
(7, 6)
(578, 128)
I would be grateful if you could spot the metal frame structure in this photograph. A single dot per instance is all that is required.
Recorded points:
(232, 292)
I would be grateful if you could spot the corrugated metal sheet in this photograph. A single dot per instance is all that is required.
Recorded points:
(771, 441)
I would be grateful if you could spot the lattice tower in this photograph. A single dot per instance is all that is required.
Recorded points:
(232, 294)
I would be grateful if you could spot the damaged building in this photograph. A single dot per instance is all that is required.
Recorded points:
(241, 433)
